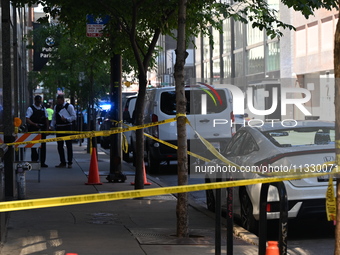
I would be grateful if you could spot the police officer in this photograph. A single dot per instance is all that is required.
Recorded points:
(36, 119)
(62, 119)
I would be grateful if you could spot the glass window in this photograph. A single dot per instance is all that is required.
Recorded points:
(195, 98)
(235, 144)
(198, 55)
(273, 56)
(238, 27)
(248, 146)
(216, 70)
(327, 36)
(226, 37)
(301, 136)
(255, 60)
(206, 48)
(216, 46)
(226, 67)
(206, 70)
(300, 41)
(239, 64)
(254, 35)
(198, 70)
(312, 40)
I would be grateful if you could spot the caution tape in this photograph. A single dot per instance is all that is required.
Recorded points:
(111, 196)
(330, 201)
(90, 134)
(276, 176)
(176, 147)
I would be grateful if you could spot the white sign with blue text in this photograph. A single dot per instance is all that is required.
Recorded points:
(95, 25)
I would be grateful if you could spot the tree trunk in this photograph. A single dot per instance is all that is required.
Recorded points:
(337, 133)
(139, 146)
(182, 168)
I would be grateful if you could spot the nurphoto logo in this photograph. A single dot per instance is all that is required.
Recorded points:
(239, 107)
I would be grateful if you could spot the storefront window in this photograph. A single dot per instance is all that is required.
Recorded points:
(255, 60)
(273, 57)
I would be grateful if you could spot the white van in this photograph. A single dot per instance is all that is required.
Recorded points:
(128, 119)
(209, 111)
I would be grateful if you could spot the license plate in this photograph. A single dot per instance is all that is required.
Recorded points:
(324, 178)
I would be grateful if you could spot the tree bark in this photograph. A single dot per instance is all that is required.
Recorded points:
(182, 168)
(337, 133)
(139, 146)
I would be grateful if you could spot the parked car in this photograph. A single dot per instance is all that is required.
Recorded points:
(274, 147)
(202, 110)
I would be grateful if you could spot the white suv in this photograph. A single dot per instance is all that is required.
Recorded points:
(209, 111)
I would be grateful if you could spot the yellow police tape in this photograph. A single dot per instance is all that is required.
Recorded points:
(297, 175)
(90, 134)
(111, 196)
(330, 201)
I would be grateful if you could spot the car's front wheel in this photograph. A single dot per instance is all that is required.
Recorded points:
(247, 218)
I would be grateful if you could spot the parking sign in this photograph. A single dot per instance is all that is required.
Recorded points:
(95, 25)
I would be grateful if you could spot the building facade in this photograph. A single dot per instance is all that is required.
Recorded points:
(248, 58)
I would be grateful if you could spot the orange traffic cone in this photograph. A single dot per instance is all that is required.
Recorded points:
(93, 178)
(144, 176)
(272, 248)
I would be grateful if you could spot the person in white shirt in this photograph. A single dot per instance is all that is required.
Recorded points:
(63, 116)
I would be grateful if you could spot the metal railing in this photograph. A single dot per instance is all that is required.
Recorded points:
(283, 221)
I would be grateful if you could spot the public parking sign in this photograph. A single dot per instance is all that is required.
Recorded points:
(95, 25)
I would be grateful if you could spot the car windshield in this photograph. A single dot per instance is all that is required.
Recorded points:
(301, 136)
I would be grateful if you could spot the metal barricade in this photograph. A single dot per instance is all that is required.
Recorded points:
(218, 221)
(283, 222)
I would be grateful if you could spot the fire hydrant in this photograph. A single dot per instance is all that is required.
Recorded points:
(21, 178)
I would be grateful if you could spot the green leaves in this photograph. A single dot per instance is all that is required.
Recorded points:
(307, 7)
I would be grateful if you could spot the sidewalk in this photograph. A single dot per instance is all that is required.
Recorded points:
(131, 226)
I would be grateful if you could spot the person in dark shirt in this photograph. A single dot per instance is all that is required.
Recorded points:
(36, 119)
(62, 119)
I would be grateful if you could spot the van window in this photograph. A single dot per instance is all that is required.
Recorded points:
(194, 102)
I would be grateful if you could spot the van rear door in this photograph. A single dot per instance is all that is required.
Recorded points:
(210, 113)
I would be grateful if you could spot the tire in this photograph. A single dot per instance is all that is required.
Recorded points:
(247, 218)
(210, 198)
(153, 164)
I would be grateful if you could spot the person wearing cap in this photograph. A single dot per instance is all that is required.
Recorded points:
(63, 116)
(37, 120)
